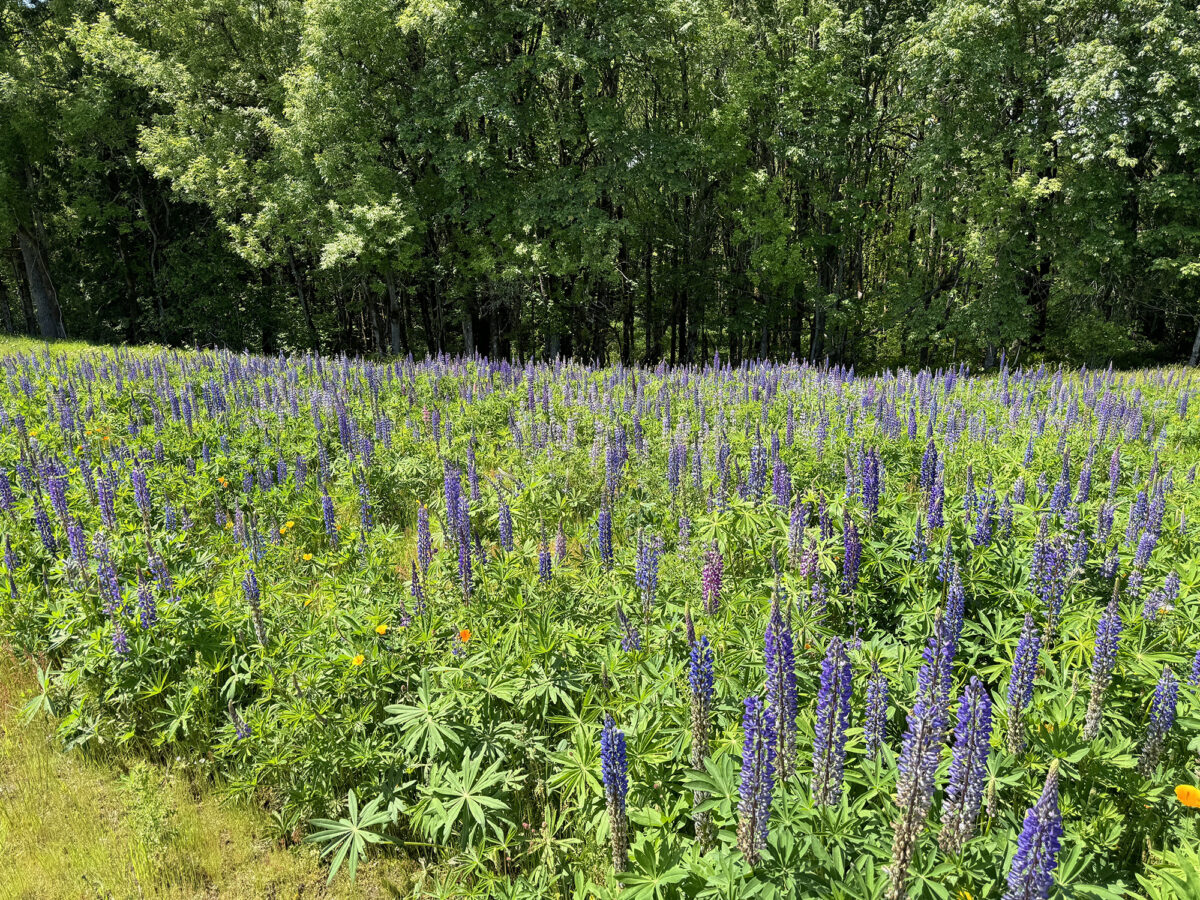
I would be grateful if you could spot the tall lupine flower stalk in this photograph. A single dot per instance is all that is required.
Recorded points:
(956, 602)
(604, 536)
(833, 718)
(875, 725)
(1020, 683)
(646, 576)
(614, 773)
(1162, 717)
(964, 789)
(853, 558)
(424, 539)
(631, 640)
(329, 517)
(141, 493)
(780, 659)
(700, 680)
(710, 579)
(506, 527)
(418, 592)
(919, 753)
(10, 568)
(147, 609)
(1033, 865)
(545, 568)
(251, 590)
(1104, 661)
(758, 779)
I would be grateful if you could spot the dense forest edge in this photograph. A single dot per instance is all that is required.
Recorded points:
(922, 183)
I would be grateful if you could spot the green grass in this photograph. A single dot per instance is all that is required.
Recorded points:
(77, 827)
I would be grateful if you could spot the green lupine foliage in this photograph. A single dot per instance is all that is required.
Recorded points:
(466, 733)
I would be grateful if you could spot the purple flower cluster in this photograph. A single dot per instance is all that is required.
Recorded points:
(758, 779)
(875, 725)
(1162, 717)
(614, 774)
(779, 656)
(964, 788)
(1032, 873)
(1020, 683)
(919, 753)
(833, 719)
(1104, 661)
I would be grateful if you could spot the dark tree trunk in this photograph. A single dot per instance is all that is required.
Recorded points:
(41, 287)
(302, 293)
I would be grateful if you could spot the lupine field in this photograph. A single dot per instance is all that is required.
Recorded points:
(562, 631)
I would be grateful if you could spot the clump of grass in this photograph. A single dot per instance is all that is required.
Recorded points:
(79, 827)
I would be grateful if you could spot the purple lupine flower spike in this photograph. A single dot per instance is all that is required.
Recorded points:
(919, 754)
(631, 640)
(604, 536)
(646, 576)
(833, 718)
(758, 779)
(329, 516)
(1032, 872)
(853, 558)
(120, 640)
(779, 656)
(147, 609)
(1104, 660)
(506, 526)
(10, 568)
(1020, 683)
(875, 726)
(241, 728)
(251, 590)
(964, 789)
(545, 568)
(710, 579)
(1162, 717)
(700, 680)
(614, 773)
(424, 539)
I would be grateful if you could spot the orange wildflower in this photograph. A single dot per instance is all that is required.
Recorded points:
(1188, 795)
(464, 635)
(381, 630)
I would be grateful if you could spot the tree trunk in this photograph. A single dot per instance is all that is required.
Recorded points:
(302, 293)
(1196, 346)
(23, 292)
(8, 320)
(41, 287)
(396, 318)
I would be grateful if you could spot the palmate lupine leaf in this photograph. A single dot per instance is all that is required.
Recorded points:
(425, 729)
(347, 838)
(465, 796)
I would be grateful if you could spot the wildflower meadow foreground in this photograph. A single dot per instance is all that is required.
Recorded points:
(561, 631)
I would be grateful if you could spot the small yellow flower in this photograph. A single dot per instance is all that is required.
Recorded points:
(283, 531)
(358, 660)
(381, 629)
(228, 525)
(290, 525)
(309, 601)
(307, 557)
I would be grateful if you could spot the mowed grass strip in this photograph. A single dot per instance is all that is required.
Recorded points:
(73, 826)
